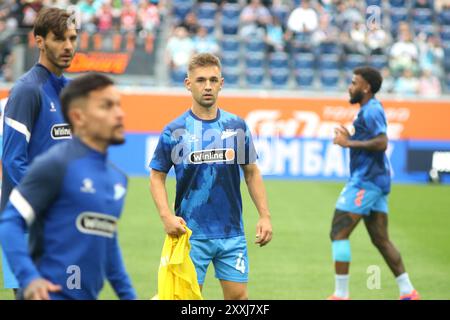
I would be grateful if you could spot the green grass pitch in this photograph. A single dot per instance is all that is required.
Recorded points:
(297, 263)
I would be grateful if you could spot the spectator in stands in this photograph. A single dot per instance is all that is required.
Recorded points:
(354, 42)
(388, 81)
(30, 11)
(407, 84)
(377, 40)
(87, 15)
(180, 48)
(128, 17)
(275, 37)
(429, 84)
(348, 13)
(431, 54)
(190, 23)
(148, 16)
(253, 20)
(325, 33)
(303, 19)
(404, 53)
(205, 43)
(105, 17)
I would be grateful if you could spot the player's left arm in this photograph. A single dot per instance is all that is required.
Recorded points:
(258, 194)
(116, 273)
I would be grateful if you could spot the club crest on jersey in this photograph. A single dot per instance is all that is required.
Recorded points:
(88, 186)
(213, 155)
(61, 131)
(98, 224)
(228, 134)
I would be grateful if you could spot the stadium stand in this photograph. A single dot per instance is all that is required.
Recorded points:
(306, 59)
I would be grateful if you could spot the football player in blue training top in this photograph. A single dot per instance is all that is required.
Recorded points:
(71, 199)
(33, 118)
(207, 146)
(365, 194)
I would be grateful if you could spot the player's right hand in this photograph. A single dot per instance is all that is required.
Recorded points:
(174, 225)
(38, 289)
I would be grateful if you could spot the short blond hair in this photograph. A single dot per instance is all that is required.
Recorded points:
(204, 60)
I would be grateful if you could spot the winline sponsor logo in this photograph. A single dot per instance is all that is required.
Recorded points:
(213, 155)
(61, 131)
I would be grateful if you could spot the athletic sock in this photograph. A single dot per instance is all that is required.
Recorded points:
(404, 284)
(341, 285)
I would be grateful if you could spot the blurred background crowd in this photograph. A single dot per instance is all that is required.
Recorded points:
(311, 44)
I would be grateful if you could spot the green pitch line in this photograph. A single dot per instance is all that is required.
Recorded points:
(297, 263)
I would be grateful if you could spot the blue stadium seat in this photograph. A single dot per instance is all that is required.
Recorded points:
(304, 78)
(279, 77)
(231, 76)
(329, 78)
(328, 62)
(206, 10)
(398, 3)
(254, 59)
(329, 48)
(177, 76)
(255, 45)
(445, 33)
(379, 61)
(444, 17)
(304, 61)
(181, 8)
(398, 15)
(422, 16)
(230, 27)
(230, 59)
(446, 47)
(278, 60)
(230, 43)
(231, 11)
(352, 61)
(373, 3)
(254, 77)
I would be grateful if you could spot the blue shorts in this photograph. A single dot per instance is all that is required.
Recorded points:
(229, 256)
(9, 280)
(362, 198)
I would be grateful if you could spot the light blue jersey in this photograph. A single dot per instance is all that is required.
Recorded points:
(370, 166)
(370, 177)
(206, 155)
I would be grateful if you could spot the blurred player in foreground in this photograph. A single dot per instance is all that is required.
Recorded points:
(207, 147)
(33, 117)
(365, 194)
(71, 199)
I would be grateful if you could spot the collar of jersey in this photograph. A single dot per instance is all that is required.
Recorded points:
(212, 120)
(59, 82)
(368, 102)
(93, 152)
